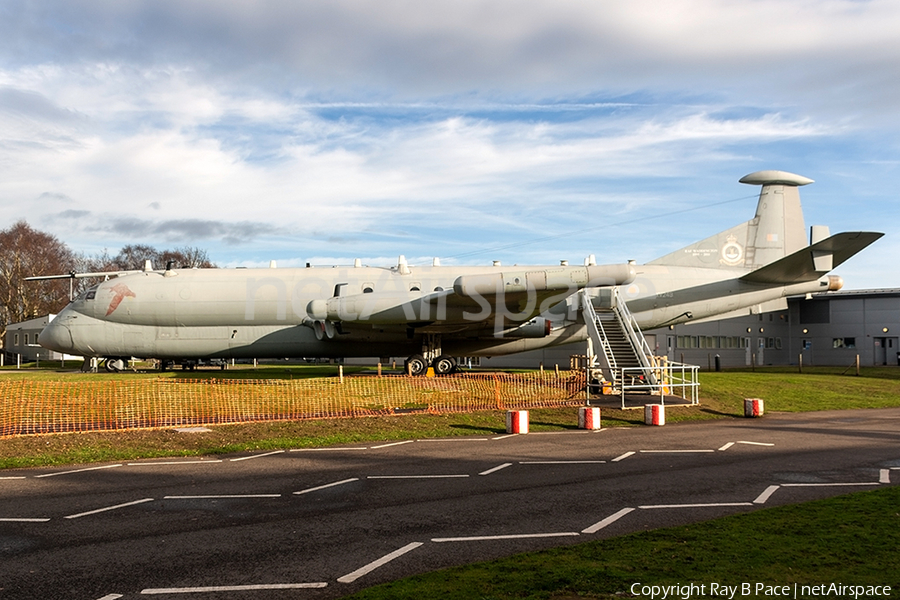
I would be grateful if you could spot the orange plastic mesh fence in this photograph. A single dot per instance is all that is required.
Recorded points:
(59, 406)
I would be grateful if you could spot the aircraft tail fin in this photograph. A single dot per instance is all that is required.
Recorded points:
(777, 230)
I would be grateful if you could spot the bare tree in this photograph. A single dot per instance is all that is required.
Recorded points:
(25, 252)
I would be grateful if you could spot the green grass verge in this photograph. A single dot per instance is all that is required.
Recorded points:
(722, 396)
(850, 540)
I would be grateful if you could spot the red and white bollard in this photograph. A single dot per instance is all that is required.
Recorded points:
(753, 407)
(589, 417)
(517, 421)
(654, 414)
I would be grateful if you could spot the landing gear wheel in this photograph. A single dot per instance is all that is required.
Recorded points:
(416, 365)
(114, 365)
(444, 365)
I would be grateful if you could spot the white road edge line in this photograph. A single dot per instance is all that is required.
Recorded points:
(233, 588)
(416, 476)
(221, 496)
(503, 437)
(325, 449)
(462, 439)
(2, 478)
(827, 484)
(111, 597)
(326, 486)
(607, 521)
(726, 446)
(674, 451)
(709, 505)
(481, 538)
(884, 476)
(100, 510)
(393, 444)
(351, 577)
(22, 520)
(252, 456)
(169, 463)
(756, 443)
(623, 456)
(77, 471)
(495, 469)
(767, 493)
(563, 462)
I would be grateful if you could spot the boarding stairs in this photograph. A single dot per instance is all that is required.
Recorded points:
(619, 354)
(619, 348)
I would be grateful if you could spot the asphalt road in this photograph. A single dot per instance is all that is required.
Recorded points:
(324, 523)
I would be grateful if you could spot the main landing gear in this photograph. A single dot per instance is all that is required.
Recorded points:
(417, 365)
(431, 356)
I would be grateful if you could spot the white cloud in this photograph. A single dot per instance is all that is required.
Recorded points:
(375, 128)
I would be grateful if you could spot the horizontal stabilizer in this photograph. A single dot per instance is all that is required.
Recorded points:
(806, 264)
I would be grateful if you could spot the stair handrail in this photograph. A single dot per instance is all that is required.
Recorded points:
(633, 331)
(598, 335)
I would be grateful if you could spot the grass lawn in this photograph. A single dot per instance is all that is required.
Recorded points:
(721, 396)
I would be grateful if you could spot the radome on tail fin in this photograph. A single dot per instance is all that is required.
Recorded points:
(777, 230)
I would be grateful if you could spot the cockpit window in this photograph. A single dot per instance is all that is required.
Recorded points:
(90, 294)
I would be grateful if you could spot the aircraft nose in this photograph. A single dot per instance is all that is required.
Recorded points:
(56, 336)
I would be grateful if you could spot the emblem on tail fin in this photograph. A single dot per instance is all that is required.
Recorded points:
(732, 252)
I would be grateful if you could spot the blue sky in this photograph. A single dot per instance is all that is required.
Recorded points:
(526, 131)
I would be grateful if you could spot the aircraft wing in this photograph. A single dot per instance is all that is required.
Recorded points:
(814, 261)
(511, 296)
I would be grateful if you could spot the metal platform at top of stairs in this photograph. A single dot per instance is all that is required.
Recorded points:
(619, 358)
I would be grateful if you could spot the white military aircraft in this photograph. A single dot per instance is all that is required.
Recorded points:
(433, 314)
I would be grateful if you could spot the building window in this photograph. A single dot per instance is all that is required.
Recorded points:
(846, 342)
(15, 339)
(26, 339)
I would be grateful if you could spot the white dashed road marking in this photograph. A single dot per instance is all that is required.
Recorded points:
(708, 505)
(761, 499)
(77, 471)
(521, 536)
(607, 521)
(326, 486)
(351, 577)
(495, 469)
(623, 456)
(221, 496)
(252, 456)
(108, 508)
(393, 444)
(234, 588)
